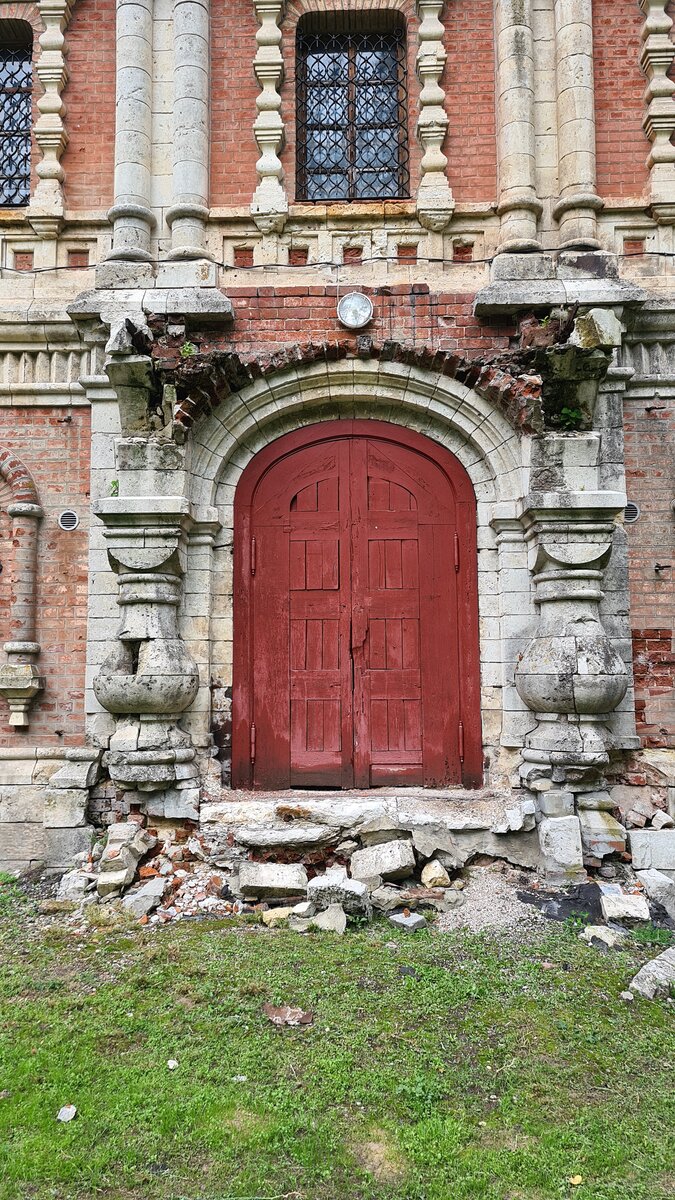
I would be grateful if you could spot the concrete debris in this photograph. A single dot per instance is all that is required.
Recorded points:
(662, 820)
(149, 896)
(258, 880)
(660, 888)
(656, 980)
(628, 997)
(560, 841)
(435, 875)
(556, 804)
(388, 860)
(385, 899)
(618, 905)
(516, 817)
(127, 843)
(333, 919)
(285, 1014)
(335, 887)
(274, 917)
(602, 937)
(601, 834)
(653, 848)
(73, 885)
(304, 910)
(408, 921)
(66, 1114)
(172, 1064)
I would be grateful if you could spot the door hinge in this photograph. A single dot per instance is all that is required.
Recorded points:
(254, 555)
(461, 741)
(252, 741)
(457, 552)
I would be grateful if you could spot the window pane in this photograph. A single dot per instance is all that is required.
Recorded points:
(375, 65)
(377, 185)
(327, 150)
(327, 106)
(376, 105)
(327, 67)
(328, 187)
(377, 148)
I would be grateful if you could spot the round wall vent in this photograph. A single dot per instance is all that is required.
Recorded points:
(631, 513)
(69, 520)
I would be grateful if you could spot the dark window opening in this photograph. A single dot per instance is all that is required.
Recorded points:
(16, 87)
(352, 139)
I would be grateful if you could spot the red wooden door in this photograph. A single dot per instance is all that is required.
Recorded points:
(356, 656)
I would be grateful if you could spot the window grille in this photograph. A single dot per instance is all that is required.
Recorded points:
(16, 86)
(351, 115)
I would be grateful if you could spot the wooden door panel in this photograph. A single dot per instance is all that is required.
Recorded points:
(357, 672)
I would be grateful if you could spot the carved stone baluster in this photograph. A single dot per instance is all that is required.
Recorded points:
(20, 681)
(658, 53)
(435, 202)
(269, 207)
(46, 209)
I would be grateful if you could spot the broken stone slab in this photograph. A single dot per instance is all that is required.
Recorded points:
(560, 842)
(653, 848)
(381, 829)
(292, 836)
(656, 980)
(335, 887)
(143, 900)
(624, 907)
(516, 817)
(660, 888)
(389, 860)
(408, 921)
(602, 938)
(276, 916)
(259, 880)
(434, 875)
(305, 910)
(633, 800)
(595, 800)
(556, 804)
(112, 882)
(385, 899)
(662, 820)
(521, 849)
(601, 834)
(127, 843)
(73, 885)
(332, 919)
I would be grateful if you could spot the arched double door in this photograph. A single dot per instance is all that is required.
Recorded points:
(355, 613)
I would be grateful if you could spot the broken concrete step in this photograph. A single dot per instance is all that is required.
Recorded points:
(259, 880)
(386, 860)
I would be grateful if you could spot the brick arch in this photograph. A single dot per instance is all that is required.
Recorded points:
(17, 478)
(298, 8)
(204, 384)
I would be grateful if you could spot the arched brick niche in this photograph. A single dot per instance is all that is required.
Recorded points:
(19, 678)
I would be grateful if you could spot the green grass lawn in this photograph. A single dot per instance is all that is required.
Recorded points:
(454, 1066)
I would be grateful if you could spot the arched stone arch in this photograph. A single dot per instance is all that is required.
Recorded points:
(19, 680)
(430, 402)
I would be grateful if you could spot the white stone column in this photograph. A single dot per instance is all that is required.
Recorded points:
(518, 207)
(578, 200)
(435, 201)
(656, 60)
(45, 212)
(189, 212)
(131, 214)
(269, 207)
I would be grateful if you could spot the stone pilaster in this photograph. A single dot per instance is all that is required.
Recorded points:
(131, 214)
(149, 679)
(46, 208)
(269, 207)
(656, 60)
(578, 201)
(518, 206)
(435, 202)
(189, 212)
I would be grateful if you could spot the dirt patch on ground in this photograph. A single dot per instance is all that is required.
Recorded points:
(380, 1157)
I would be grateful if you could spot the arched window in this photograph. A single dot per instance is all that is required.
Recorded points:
(16, 86)
(352, 138)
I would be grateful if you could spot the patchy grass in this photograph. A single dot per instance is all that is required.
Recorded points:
(491, 1071)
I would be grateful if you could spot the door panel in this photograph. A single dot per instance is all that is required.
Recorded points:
(355, 674)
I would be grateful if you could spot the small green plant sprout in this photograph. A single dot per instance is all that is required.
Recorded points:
(188, 350)
(114, 487)
(571, 418)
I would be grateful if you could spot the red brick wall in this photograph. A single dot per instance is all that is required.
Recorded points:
(471, 139)
(56, 452)
(650, 483)
(621, 144)
(89, 96)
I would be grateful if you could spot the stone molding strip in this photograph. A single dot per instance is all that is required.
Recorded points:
(435, 202)
(19, 678)
(46, 210)
(656, 60)
(269, 207)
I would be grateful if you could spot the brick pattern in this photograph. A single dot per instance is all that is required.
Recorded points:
(650, 483)
(89, 97)
(56, 452)
(621, 144)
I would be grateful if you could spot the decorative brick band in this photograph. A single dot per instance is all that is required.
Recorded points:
(203, 381)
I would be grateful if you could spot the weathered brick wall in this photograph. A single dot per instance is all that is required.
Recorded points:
(89, 96)
(470, 145)
(54, 445)
(650, 482)
(621, 143)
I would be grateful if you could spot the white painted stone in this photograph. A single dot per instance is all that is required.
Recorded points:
(389, 860)
(258, 880)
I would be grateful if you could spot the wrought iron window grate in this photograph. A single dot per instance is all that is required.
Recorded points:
(352, 116)
(16, 86)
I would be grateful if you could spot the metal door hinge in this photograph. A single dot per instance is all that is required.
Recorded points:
(254, 555)
(252, 741)
(457, 552)
(461, 742)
